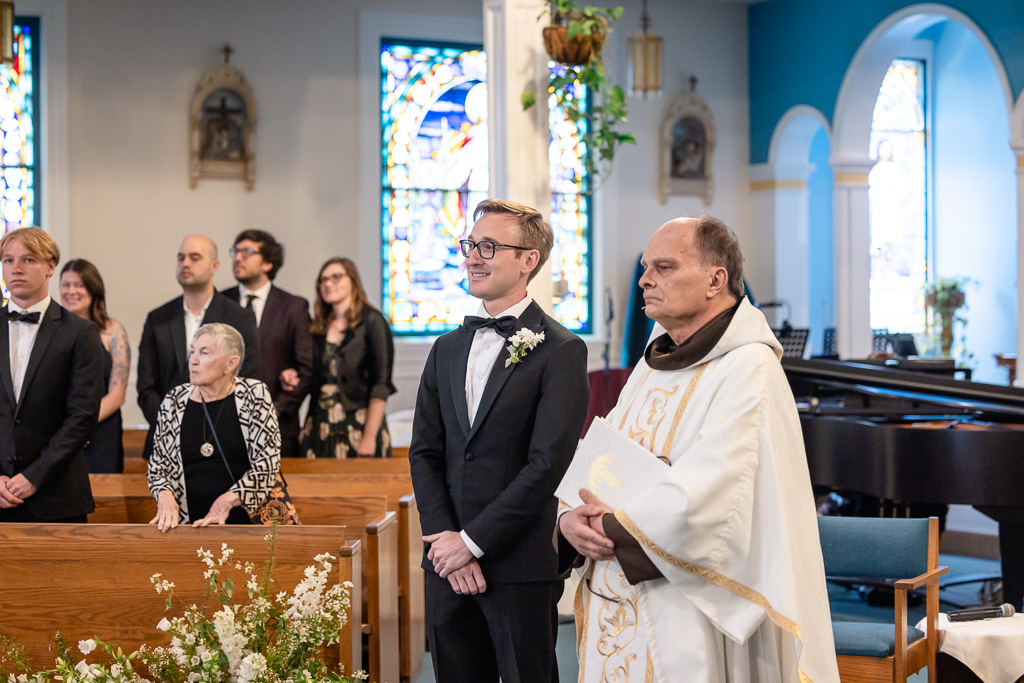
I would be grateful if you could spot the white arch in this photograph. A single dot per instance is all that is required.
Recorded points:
(791, 140)
(1017, 125)
(850, 159)
(859, 90)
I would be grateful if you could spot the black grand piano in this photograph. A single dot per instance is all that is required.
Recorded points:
(909, 437)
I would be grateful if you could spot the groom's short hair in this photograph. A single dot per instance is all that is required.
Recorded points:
(36, 242)
(534, 231)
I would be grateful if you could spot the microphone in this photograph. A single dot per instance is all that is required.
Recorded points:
(975, 613)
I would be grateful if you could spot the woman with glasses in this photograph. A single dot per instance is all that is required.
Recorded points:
(82, 293)
(353, 354)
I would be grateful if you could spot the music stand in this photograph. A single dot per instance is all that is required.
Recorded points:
(793, 340)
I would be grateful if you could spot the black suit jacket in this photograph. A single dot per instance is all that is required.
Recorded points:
(285, 342)
(163, 351)
(496, 478)
(43, 432)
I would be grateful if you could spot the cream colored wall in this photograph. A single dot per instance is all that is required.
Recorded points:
(133, 66)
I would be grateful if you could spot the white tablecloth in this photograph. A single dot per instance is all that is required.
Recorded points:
(992, 648)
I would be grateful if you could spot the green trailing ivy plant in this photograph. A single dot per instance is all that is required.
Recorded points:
(600, 134)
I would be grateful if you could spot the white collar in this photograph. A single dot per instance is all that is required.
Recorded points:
(262, 293)
(202, 311)
(38, 307)
(515, 310)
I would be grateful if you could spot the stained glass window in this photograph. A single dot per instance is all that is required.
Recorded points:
(434, 172)
(18, 124)
(898, 200)
(570, 213)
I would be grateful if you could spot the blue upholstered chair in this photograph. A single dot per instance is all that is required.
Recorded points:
(873, 550)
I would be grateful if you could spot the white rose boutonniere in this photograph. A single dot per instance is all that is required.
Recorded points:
(519, 343)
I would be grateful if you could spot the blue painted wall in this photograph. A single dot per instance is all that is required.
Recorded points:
(975, 220)
(820, 269)
(799, 51)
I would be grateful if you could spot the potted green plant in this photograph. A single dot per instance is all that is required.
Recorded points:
(575, 39)
(945, 296)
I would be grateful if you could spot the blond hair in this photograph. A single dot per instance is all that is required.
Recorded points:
(36, 241)
(534, 231)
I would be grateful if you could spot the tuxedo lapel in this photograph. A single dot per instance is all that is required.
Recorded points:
(532, 318)
(48, 325)
(5, 361)
(271, 312)
(459, 364)
(178, 341)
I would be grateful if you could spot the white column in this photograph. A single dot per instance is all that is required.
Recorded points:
(852, 257)
(518, 140)
(1019, 149)
(779, 198)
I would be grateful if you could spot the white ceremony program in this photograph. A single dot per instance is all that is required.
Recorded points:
(613, 466)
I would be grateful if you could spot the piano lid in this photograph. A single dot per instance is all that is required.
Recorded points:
(874, 379)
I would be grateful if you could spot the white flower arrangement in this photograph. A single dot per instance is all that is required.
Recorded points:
(268, 639)
(519, 343)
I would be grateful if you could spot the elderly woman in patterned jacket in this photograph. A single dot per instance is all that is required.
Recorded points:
(217, 449)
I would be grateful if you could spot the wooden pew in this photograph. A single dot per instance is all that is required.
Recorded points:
(411, 603)
(93, 580)
(126, 499)
(399, 464)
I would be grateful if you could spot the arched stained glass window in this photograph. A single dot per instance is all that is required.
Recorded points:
(19, 107)
(434, 172)
(897, 195)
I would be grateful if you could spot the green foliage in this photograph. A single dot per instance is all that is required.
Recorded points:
(601, 136)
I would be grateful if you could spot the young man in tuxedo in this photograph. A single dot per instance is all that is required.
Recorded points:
(493, 435)
(285, 341)
(167, 334)
(51, 374)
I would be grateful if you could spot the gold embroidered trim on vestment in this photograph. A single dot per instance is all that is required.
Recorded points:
(649, 673)
(713, 577)
(666, 448)
(581, 610)
(625, 413)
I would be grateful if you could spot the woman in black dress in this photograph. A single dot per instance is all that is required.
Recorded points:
(217, 448)
(353, 353)
(82, 293)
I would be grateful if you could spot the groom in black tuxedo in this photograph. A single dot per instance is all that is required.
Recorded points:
(494, 432)
(51, 385)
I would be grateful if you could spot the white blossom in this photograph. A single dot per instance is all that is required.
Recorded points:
(164, 625)
(87, 646)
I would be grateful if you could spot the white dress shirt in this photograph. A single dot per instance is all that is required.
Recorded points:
(259, 301)
(22, 337)
(193, 322)
(487, 344)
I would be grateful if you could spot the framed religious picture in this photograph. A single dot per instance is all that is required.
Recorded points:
(687, 144)
(222, 127)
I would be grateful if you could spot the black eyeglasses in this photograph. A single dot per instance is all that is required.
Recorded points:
(333, 279)
(486, 248)
(246, 253)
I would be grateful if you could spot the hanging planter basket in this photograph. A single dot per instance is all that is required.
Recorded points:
(577, 51)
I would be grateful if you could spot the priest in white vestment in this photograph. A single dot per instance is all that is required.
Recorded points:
(715, 576)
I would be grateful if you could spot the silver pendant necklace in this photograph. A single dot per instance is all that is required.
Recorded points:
(207, 448)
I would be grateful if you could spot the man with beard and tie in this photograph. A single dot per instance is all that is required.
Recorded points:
(52, 377)
(286, 345)
(168, 332)
(500, 409)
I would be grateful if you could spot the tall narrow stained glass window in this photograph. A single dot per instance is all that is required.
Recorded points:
(434, 172)
(570, 213)
(897, 194)
(19, 111)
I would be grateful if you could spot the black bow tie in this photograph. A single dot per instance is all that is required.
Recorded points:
(503, 325)
(30, 318)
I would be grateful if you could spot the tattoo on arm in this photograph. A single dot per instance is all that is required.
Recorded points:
(121, 354)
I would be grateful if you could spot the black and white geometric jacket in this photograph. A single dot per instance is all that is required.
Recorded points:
(262, 440)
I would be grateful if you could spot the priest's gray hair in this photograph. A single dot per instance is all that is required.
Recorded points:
(718, 246)
(228, 340)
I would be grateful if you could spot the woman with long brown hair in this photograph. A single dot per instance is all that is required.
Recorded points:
(82, 293)
(353, 354)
